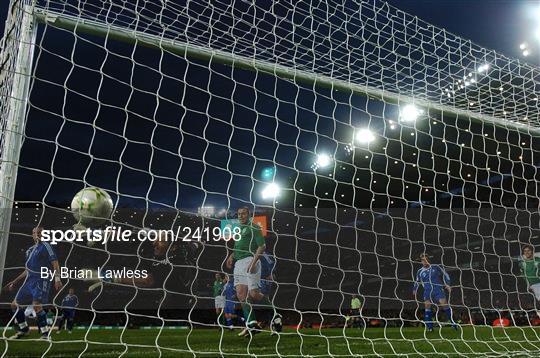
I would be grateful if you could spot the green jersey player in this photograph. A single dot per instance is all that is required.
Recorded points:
(247, 268)
(529, 265)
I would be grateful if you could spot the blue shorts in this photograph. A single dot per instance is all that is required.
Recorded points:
(434, 294)
(230, 307)
(34, 290)
(265, 286)
(68, 314)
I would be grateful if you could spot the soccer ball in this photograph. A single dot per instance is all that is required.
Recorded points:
(91, 206)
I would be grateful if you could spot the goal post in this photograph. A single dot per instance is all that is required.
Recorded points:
(93, 27)
(17, 58)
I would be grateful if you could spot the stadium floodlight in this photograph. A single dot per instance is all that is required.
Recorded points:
(409, 113)
(271, 191)
(323, 160)
(483, 68)
(523, 46)
(364, 136)
(526, 53)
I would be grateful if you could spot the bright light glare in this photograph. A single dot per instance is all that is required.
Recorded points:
(410, 113)
(323, 160)
(271, 191)
(523, 46)
(364, 136)
(483, 68)
(526, 53)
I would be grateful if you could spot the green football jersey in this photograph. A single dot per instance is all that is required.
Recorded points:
(218, 288)
(356, 303)
(250, 239)
(531, 270)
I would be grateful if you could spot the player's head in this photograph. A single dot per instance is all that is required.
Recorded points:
(225, 277)
(424, 259)
(161, 244)
(218, 276)
(243, 215)
(36, 233)
(527, 251)
(71, 291)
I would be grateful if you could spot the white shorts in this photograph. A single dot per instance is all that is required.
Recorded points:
(219, 301)
(243, 277)
(536, 290)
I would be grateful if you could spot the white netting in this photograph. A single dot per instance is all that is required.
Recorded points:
(140, 99)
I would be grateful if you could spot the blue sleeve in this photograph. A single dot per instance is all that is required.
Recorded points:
(64, 301)
(50, 252)
(417, 281)
(445, 275)
(76, 301)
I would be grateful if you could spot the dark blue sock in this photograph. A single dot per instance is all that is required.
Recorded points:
(428, 318)
(42, 322)
(448, 312)
(20, 320)
(70, 324)
(228, 322)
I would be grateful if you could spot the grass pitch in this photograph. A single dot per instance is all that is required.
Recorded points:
(468, 341)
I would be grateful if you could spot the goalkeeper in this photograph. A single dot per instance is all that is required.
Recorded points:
(434, 280)
(246, 257)
(529, 265)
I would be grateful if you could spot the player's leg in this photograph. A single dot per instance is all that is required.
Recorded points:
(60, 321)
(276, 320)
(220, 306)
(443, 303)
(41, 317)
(241, 285)
(23, 296)
(536, 291)
(70, 321)
(229, 311)
(428, 314)
(21, 326)
(40, 296)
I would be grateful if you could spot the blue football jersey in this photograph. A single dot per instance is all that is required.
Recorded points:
(267, 265)
(431, 278)
(38, 256)
(229, 291)
(70, 301)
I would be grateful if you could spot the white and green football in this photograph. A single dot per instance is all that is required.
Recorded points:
(91, 206)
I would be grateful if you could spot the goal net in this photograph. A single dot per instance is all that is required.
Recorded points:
(358, 136)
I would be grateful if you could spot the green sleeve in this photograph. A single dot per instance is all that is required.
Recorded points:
(257, 235)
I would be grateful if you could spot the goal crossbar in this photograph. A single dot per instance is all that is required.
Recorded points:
(97, 28)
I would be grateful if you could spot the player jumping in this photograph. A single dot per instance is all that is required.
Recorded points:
(434, 280)
(35, 289)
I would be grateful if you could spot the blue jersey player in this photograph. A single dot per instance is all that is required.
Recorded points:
(231, 302)
(69, 303)
(36, 286)
(434, 280)
(268, 263)
(267, 267)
